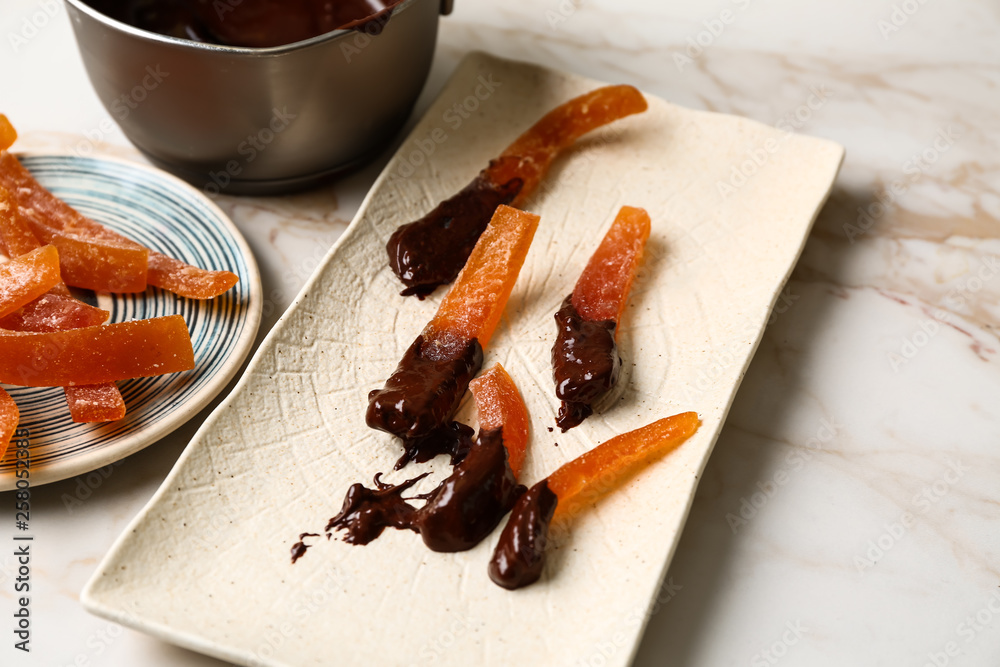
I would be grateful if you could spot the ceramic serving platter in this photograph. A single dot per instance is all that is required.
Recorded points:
(206, 564)
(171, 217)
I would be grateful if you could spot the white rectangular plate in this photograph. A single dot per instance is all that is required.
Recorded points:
(206, 563)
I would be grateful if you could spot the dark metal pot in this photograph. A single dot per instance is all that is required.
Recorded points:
(260, 120)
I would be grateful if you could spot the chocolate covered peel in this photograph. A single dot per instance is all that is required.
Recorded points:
(199, 565)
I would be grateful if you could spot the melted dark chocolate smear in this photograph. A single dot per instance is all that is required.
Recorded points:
(455, 439)
(470, 503)
(367, 512)
(458, 514)
(253, 23)
(585, 364)
(300, 547)
(520, 553)
(422, 395)
(431, 251)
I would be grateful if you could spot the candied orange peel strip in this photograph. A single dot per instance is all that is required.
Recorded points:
(54, 312)
(500, 406)
(421, 396)
(93, 257)
(431, 251)
(9, 417)
(188, 281)
(519, 556)
(104, 266)
(601, 293)
(47, 214)
(472, 307)
(17, 238)
(25, 278)
(598, 470)
(97, 258)
(529, 157)
(8, 135)
(95, 403)
(96, 355)
(57, 312)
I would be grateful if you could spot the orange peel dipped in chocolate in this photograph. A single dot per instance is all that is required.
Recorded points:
(467, 505)
(470, 503)
(585, 360)
(520, 554)
(421, 396)
(17, 239)
(431, 251)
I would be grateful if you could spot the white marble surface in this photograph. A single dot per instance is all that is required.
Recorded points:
(865, 428)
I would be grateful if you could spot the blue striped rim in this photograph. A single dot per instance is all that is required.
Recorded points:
(171, 218)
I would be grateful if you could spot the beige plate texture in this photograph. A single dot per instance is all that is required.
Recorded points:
(206, 563)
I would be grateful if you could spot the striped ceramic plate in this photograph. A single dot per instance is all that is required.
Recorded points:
(173, 218)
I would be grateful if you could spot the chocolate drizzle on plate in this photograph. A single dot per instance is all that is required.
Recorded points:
(431, 251)
(459, 513)
(454, 439)
(300, 547)
(585, 364)
(367, 512)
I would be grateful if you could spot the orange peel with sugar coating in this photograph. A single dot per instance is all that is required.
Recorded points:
(9, 416)
(500, 406)
(472, 307)
(57, 311)
(25, 278)
(8, 135)
(92, 257)
(596, 471)
(102, 266)
(185, 280)
(17, 238)
(96, 355)
(47, 214)
(601, 293)
(95, 403)
(430, 252)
